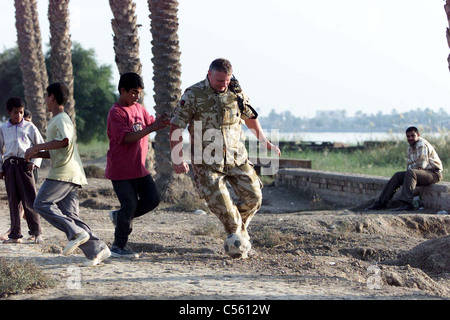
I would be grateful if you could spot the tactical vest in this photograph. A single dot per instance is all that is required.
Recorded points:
(221, 113)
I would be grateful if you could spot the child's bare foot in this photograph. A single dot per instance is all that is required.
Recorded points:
(12, 240)
(5, 235)
(38, 239)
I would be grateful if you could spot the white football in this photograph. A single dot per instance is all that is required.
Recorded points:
(237, 246)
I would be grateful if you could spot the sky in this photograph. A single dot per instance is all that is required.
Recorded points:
(300, 56)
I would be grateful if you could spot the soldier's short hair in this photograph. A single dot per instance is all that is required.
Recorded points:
(222, 65)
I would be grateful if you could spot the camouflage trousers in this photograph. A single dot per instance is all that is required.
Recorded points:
(211, 185)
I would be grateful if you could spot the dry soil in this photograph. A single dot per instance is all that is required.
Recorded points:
(302, 250)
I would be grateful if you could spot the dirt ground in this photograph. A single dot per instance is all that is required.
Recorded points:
(302, 251)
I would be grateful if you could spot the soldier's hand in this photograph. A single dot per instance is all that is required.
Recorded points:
(273, 147)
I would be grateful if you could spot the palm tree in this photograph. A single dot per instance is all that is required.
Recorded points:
(447, 11)
(126, 48)
(61, 46)
(39, 51)
(166, 78)
(126, 39)
(29, 62)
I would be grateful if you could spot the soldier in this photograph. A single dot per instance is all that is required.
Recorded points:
(213, 110)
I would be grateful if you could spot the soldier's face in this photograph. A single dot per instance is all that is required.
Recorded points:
(218, 80)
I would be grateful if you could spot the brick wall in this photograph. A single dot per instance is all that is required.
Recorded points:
(354, 189)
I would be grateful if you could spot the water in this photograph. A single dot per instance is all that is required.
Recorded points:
(350, 138)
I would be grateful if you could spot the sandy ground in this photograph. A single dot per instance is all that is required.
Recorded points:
(301, 251)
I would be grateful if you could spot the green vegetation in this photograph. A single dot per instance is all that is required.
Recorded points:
(93, 149)
(378, 161)
(21, 276)
(94, 93)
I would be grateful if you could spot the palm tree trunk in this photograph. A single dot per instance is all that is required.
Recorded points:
(447, 11)
(29, 63)
(126, 39)
(126, 48)
(166, 78)
(38, 40)
(61, 49)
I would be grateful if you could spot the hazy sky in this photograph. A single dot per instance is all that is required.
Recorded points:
(297, 55)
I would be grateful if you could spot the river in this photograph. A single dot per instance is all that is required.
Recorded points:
(351, 138)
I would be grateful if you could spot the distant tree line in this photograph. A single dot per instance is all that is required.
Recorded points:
(338, 121)
(94, 92)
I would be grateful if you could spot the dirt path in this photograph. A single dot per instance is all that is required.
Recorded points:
(300, 253)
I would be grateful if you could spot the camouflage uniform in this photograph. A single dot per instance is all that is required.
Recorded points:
(218, 153)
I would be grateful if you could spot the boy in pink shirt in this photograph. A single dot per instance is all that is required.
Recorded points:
(128, 125)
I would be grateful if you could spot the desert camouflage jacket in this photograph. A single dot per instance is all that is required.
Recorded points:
(214, 122)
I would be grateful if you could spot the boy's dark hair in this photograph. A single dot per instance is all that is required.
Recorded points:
(14, 102)
(222, 65)
(412, 129)
(60, 91)
(130, 80)
(26, 113)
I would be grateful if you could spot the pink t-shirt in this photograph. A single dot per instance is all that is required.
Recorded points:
(125, 161)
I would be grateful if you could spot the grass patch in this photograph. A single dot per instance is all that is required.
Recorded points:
(272, 238)
(378, 161)
(182, 195)
(93, 171)
(209, 229)
(18, 277)
(93, 149)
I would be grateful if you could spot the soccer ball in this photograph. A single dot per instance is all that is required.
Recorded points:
(237, 246)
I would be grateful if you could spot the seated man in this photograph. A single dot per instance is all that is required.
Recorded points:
(423, 168)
